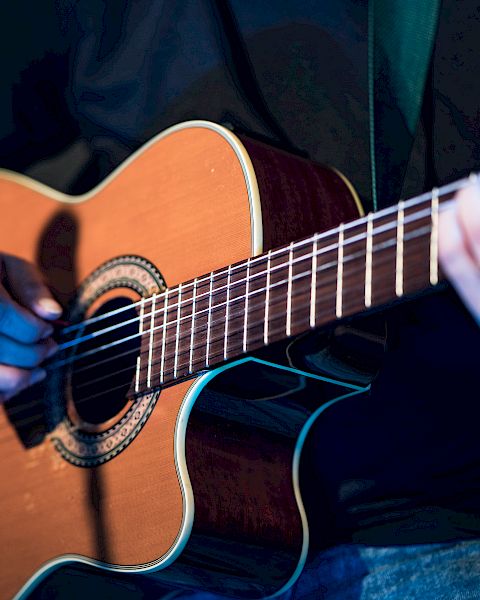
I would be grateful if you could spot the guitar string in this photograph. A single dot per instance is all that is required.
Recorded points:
(216, 308)
(281, 331)
(278, 331)
(325, 284)
(224, 272)
(274, 331)
(25, 406)
(426, 197)
(183, 304)
(172, 307)
(277, 302)
(183, 366)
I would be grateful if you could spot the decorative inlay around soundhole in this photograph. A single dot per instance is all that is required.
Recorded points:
(103, 414)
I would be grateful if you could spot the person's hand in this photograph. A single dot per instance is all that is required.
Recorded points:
(26, 306)
(459, 246)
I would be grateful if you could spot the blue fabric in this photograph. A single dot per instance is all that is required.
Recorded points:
(354, 572)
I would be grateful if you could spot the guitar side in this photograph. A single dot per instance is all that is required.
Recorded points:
(189, 202)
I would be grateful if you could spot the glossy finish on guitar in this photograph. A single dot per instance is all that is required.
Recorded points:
(203, 493)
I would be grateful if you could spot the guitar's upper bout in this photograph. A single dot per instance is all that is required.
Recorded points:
(299, 197)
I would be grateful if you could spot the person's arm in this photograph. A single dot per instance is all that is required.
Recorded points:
(26, 306)
(459, 247)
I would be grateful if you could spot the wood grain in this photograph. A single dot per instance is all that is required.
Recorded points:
(183, 205)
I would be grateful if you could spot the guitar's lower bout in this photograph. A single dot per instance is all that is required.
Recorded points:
(239, 437)
(250, 533)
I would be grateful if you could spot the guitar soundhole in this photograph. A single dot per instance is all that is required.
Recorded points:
(101, 379)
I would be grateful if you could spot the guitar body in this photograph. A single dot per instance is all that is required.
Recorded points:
(196, 484)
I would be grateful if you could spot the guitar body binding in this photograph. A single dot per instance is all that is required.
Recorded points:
(197, 484)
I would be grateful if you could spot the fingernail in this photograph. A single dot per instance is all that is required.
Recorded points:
(38, 375)
(49, 307)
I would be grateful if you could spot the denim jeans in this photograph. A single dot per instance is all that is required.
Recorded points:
(353, 572)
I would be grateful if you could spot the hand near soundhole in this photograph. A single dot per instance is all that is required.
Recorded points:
(26, 306)
(459, 247)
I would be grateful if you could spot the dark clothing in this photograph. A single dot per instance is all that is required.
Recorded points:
(402, 463)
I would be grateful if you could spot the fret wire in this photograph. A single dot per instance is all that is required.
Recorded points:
(387, 227)
(194, 294)
(338, 310)
(384, 245)
(399, 253)
(140, 331)
(434, 239)
(177, 332)
(417, 200)
(368, 262)
(380, 246)
(227, 307)
(250, 326)
(279, 330)
(329, 265)
(280, 315)
(267, 299)
(331, 248)
(313, 285)
(377, 230)
(325, 266)
(164, 336)
(288, 328)
(150, 344)
(245, 321)
(209, 319)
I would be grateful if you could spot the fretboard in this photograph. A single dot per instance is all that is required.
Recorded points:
(233, 311)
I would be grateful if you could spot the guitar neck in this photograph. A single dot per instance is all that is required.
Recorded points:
(355, 267)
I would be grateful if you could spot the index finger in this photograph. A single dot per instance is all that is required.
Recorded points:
(25, 283)
(19, 323)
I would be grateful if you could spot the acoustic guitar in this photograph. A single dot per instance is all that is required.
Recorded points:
(166, 440)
